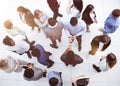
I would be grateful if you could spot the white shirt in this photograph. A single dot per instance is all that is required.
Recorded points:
(77, 30)
(21, 46)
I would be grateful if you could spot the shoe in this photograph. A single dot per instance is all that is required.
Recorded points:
(49, 53)
(60, 74)
(44, 72)
(79, 48)
(50, 63)
(53, 46)
(32, 43)
(59, 40)
(96, 68)
(60, 15)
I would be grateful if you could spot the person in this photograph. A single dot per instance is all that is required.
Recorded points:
(55, 79)
(19, 44)
(74, 28)
(75, 8)
(69, 57)
(54, 6)
(53, 30)
(10, 64)
(42, 55)
(32, 73)
(40, 18)
(27, 17)
(112, 22)
(82, 80)
(89, 16)
(106, 62)
(104, 39)
(13, 31)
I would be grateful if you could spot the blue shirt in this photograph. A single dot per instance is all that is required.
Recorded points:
(43, 58)
(111, 24)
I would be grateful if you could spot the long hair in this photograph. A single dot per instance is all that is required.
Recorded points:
(111, 59)
(88, 9)
(78, 4)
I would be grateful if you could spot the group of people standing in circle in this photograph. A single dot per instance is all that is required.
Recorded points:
(77, 25)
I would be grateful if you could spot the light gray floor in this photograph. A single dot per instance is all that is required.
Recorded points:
(102, 8)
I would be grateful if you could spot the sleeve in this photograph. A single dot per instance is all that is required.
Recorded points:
(66, 30)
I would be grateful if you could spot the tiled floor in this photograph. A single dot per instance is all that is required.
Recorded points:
(102, 7)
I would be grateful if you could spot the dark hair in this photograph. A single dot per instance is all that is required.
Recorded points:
(52, 21)
(88, 9)
(116, 13)
(111, 59)
(28, 73)
(105, 38)
(53, 81)
(35, 52)
(82, 82)
(78, 4)
(8, 24)
(7, 41)
(70, 55)
(73, 21)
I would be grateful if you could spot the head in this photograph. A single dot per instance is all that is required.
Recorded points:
(89, 8)
(37, 13)
(111, 59)
(52, 21)
(22, 9)
(35, 52)
(105, 39)
(82, 82)
(8, 24)
(70, 54)
(116, 13)
(78, 4)
(73, 21)
(28, 73)
(8, 41)
(53, 81)
(3, 64)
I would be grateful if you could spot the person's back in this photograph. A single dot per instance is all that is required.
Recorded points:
(33, 73)
(112, 22)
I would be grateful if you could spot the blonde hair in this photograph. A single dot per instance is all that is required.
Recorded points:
(8, 24)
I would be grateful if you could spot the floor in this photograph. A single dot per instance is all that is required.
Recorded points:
(102, 8)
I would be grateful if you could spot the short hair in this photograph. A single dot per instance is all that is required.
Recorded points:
(28, 73)
(73, 21)
(52, 21)
(53, 81)
(7, 40)
(35, 52)
(111, 59)
(8, 24)
(116, 13)
(82, 82)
